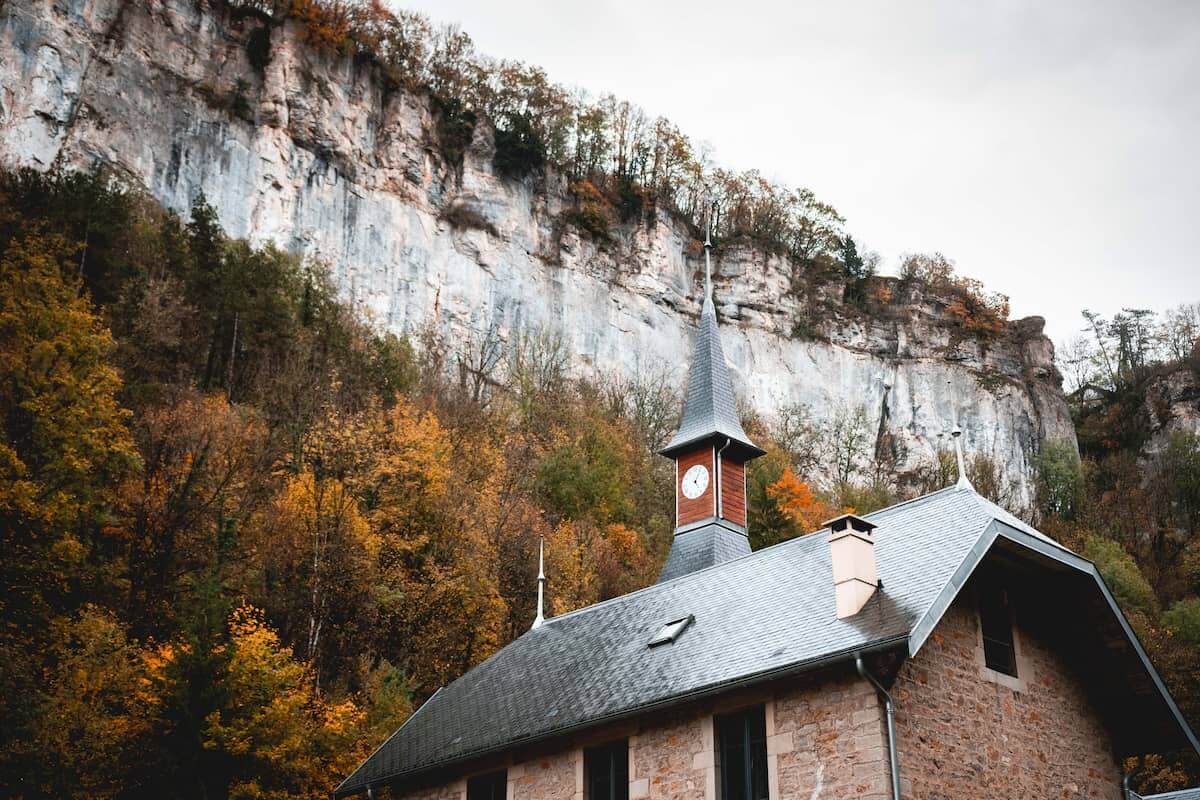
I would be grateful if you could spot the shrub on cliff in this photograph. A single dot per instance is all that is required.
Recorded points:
(519, 149)
(593, 211)
(455, 127)
(971, 308)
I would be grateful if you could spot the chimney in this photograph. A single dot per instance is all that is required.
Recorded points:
(852, 551)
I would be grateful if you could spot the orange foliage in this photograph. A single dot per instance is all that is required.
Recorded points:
(324, 24)
(882, 293)
(976, 311)
(622, 563)
(798, 502)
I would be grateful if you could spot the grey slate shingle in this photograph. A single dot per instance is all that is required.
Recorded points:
(702, 548)
(710, 408)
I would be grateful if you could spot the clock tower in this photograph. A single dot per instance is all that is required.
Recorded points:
(710, 451)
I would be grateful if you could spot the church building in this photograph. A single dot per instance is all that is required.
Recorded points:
(938, 648)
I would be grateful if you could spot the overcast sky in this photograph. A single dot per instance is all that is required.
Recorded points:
(1048, 148)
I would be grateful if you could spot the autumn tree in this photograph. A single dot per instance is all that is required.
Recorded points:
(799, 503)
(206, 473)
(100, 689)
(283, 737)
(64, 449)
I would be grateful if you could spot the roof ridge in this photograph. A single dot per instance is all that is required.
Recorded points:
(777, 545)
(911, 500)
(1002, 514)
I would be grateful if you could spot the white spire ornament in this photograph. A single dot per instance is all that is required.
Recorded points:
(541, 617)
(707, 250)
(956, 434)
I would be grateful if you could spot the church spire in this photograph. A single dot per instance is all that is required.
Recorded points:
(708, 261)
(710, 451)
(710, 410)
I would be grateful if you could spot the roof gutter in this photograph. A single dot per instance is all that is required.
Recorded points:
(890, 712)
(789, 670)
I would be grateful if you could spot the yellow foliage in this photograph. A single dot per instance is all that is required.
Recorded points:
(317, 515)
(622, 563)
(568, 559)
(101, 691)
(276, 717)
(70, 442)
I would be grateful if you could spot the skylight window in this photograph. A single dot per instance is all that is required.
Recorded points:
(671, 631)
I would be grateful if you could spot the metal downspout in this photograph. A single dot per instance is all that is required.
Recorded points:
(720, 489)
(890, 713)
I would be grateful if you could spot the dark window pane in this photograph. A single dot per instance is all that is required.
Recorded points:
(742, 745)
(606, 771)
(995, 619)
(492, 786)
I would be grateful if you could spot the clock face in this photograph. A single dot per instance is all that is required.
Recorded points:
(695, 481)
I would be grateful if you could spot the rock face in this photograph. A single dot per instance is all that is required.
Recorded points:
(314, 154)
(1172, 406)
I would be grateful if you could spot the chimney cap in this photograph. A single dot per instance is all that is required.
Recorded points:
(849, 522)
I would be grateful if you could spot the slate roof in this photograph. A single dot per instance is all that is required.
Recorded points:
(710, 409)
(702, 548)
(761, 616)
(1182, 794)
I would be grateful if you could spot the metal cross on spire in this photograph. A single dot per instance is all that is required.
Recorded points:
(956, 434)
(540, 618)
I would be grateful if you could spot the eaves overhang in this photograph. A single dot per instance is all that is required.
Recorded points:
(739, 445)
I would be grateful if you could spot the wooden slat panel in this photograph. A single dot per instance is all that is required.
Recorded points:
(704, 506)
(733, 491)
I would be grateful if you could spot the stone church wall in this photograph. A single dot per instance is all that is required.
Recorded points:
(964, 731)
(824, 739)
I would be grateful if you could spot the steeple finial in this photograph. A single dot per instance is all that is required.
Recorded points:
(707, 249)
(956, 434)
(540, 618)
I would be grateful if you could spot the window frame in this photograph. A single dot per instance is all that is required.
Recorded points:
(755, 760)
(996, 630)
(616, 754)
(1018, 679)
(491, 777)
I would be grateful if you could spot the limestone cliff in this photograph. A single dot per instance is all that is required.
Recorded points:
(315, 154)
